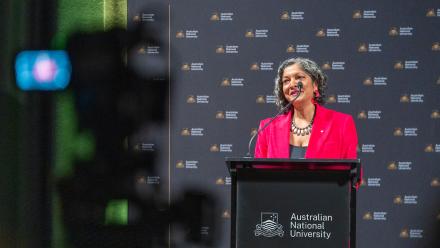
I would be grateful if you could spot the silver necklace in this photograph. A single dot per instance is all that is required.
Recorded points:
(302, 131)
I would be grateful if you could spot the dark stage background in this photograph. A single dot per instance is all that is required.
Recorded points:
(382, 60)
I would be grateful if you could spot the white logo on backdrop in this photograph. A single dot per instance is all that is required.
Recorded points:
(269, 226)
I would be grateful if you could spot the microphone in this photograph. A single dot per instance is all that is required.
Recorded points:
(299, 86)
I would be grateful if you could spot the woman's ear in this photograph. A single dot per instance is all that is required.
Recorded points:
(315, 86)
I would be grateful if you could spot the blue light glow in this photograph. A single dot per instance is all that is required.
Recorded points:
(42, 70)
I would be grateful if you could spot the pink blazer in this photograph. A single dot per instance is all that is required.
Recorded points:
(333, 136)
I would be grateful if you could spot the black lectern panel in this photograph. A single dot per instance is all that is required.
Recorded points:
(292, 209)
(293, 203)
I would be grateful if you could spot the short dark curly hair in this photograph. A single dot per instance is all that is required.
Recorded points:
(311, 68)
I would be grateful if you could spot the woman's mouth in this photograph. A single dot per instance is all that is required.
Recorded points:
(294, 92)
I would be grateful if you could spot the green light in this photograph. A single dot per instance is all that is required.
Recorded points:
(116, 212)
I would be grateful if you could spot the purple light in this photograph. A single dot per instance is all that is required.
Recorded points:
(44, 70)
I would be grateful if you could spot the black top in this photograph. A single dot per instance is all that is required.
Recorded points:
(297, 151)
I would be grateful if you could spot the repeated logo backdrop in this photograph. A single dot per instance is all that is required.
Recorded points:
(383, 64)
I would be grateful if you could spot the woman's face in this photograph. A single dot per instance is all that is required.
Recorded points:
(291, 76)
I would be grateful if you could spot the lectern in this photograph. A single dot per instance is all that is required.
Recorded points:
(293, 202)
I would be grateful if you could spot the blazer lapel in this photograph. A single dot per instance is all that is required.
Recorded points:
(318, 134)
(283, 135)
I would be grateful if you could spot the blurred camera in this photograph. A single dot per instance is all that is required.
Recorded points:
(113, 198)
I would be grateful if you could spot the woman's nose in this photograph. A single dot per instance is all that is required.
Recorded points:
(292, 83)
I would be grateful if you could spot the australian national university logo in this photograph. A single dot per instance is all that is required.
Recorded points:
(269, 226)
(308, 226)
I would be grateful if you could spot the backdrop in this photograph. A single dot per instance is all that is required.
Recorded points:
(382, 60)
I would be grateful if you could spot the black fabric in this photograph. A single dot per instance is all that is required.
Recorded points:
(297, 151)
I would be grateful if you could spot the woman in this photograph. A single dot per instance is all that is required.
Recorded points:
(306, 130)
